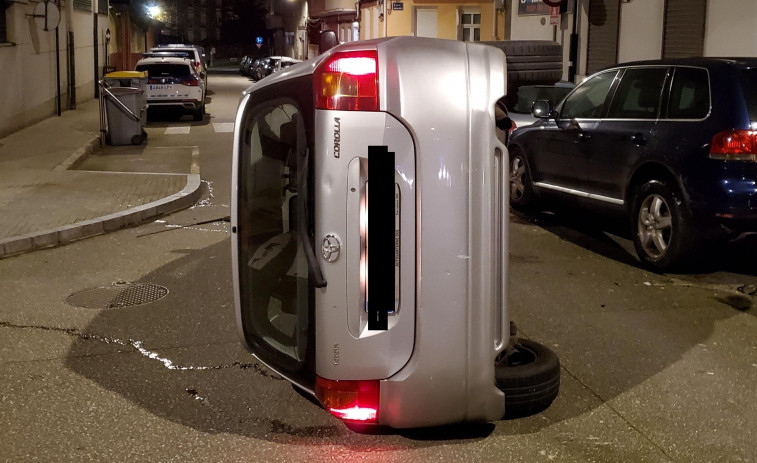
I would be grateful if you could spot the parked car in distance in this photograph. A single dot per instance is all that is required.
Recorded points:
(271, 64)
(671, 144)
(174, 82)
(197, 52)
(243, 64)
(251, 67)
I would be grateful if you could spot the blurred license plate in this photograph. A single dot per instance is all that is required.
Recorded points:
(160, 87)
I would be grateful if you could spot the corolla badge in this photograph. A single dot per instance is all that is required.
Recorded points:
(330, 248)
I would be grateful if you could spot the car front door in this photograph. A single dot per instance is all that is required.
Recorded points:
(559, 161)
(622, 138)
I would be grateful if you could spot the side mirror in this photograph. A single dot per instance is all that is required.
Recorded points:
(327, 41)
(542, 109)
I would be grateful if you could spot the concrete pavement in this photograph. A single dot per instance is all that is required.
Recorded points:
(44, 202)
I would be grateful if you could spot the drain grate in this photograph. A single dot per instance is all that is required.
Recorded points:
(117, 295)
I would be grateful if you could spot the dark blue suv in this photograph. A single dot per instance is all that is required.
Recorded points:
(672, 144)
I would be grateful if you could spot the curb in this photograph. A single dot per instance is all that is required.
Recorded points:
(79, 155)
(131, 217)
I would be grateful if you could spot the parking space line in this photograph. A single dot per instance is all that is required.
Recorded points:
(223, 127)
(177, 130)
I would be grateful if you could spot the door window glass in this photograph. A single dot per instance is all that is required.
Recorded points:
(588, 99)
(689, 94)
(638, 95)
(273, 271)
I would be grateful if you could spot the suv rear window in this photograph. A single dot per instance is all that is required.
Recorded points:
(750, 92)
(165, 70)
(689, 94)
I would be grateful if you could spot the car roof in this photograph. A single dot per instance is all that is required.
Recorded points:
(165, 60)
(693, 61)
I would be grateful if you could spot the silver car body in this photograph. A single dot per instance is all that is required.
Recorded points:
(436, 360)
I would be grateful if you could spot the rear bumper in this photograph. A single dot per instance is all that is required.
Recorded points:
(188, 105)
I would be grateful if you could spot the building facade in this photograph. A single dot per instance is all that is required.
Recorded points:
(614, 31)
(455, 20)
(42, 74)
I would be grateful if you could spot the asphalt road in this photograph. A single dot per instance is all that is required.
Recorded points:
(655, 367)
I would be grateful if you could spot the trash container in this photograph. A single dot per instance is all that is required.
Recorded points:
(125, 113)
(135, 79)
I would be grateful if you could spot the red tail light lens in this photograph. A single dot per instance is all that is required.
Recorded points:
(190, 82)
(348, 81)
(354, 401)
(735, 145)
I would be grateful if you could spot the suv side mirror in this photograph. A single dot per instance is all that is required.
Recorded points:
(542, 109)
(327, 41)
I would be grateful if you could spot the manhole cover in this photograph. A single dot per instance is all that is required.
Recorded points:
(117, 295)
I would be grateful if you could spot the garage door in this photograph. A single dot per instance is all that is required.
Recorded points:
(603, 34)
(684, 28)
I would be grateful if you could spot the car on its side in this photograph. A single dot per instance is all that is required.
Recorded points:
(174, 82)
(671, 144)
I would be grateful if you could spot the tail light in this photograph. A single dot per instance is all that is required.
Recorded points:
(153, 81)
(354, 401)
(348, 81)
(735, 145)
(191, 82)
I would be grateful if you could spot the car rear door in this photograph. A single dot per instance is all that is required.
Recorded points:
(623, 137)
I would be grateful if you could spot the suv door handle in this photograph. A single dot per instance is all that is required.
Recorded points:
(638, 139)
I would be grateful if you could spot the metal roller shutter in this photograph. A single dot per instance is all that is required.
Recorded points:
(603, 34)
(684, 28)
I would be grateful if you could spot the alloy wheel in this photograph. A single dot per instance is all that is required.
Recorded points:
(655, 226)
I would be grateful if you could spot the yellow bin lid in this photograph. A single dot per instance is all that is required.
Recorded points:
(126, 74)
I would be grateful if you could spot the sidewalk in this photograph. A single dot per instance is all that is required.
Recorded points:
(43, 203)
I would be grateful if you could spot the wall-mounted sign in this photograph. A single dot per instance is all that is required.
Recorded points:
(530, 7)
(398, 6)
(258, 39)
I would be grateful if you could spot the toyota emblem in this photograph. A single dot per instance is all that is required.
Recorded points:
(330, 248)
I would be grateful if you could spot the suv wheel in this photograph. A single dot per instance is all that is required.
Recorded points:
(521, 188)
(663, 232)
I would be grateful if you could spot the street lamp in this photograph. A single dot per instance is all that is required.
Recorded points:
(153, 11)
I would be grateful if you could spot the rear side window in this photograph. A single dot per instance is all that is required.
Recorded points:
(689, 94)
(750, 92)
(165, 70)
(588, 99)
(638, 95)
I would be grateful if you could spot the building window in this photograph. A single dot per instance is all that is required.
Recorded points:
(471, 23)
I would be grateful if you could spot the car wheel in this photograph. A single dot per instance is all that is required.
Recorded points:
(521, 188)
(530, 378)
(663, 232)
(199, 114)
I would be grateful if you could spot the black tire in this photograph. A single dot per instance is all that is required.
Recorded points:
(199, 114)
(663, 231)
(531, 385)
(521, 185)
(137, 139)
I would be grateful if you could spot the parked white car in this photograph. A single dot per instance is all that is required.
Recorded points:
(196, 52)
(174, 82)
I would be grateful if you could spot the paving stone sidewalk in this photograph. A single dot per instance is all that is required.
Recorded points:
(44, 203)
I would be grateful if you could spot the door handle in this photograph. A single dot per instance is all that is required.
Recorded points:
(638, 139)
(584, 136)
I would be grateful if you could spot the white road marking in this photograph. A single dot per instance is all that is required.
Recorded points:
(223, 127)
(177, 130)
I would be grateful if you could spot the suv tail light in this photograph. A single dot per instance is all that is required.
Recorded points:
(354, 401)
(191, 82)
(735, 145)
(348, 81)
